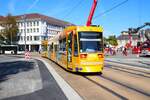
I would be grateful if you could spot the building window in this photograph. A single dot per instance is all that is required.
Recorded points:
(37, 29)
(22, 24)
(27, 30)
(27, 24)
(30, 38)
(21, 30)
(18, 38)
(31, 30)
(27, 38)
(37, 23)
(34, 23)
(34, 30)
(30, 23)
(36, 38)
(21, 38)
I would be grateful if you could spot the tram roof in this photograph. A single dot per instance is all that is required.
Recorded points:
(84, 28)
(79, 29)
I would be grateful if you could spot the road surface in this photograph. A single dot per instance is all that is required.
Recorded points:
(118, 82)
(21, 79)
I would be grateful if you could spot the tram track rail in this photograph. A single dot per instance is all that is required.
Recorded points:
(98, 84)
(126, 86)
(107, 89)
(100, 81)
(126, 70)
(130, 67)
(139, 66)
(119, 95)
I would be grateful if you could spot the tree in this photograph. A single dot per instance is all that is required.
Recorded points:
(2, 38)
(105, 41)
(112, 40)
(9, 34)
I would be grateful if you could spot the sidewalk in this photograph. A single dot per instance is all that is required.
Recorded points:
(53, 86)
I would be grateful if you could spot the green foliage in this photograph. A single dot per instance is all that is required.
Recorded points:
(10, 30)
(105, 41)
(111, 40)
(2, 39)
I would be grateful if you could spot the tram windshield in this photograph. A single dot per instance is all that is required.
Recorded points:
(90, 41)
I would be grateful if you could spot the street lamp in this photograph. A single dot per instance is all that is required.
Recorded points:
(11, 36)
(24, 20)
(47, 32)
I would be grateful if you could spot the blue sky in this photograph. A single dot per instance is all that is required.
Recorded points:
(131, 14)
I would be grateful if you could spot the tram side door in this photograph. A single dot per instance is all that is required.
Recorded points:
(69, 51)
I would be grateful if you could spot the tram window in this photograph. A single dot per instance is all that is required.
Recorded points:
(90, 41)
(55, 47)
(75, 46)
(52, 47)
(70, 47)
(49, 47)
(70, 40)
(62, 44)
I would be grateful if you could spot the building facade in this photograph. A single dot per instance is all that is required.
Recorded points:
(124, 38)
(33, 28)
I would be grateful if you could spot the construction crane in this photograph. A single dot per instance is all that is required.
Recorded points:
(140, 45)
(136, 30)
(147, 34)
(89, 21)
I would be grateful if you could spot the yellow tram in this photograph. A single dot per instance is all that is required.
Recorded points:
(44, 51)
(78, 49)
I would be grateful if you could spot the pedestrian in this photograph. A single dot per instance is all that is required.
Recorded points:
(39, 51)
(114, 51)
(125, 51)
(110, 50)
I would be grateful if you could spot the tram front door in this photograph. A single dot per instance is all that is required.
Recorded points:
(69, 57)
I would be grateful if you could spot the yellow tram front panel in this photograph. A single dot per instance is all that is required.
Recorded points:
(89, 61)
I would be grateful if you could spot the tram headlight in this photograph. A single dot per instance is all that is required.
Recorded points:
(100, 56)
(83, 55)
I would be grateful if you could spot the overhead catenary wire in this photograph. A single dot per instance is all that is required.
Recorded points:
(109, 10)
(72, 9)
